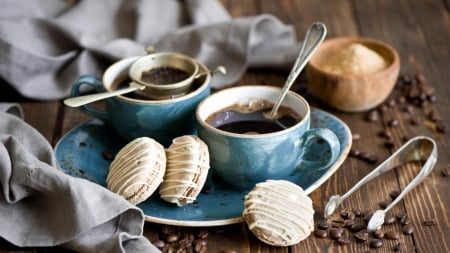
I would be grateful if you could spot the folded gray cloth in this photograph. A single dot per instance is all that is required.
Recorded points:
(45, 45)
(41, 206)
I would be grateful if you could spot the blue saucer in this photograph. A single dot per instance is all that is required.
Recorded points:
(82, 151)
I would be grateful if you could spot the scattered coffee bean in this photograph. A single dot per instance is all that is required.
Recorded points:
(385, 134)
(383, 204)
(389, 219)
(397, 247)
(394, 194)
(405, 220)
(376, 243)
(393, 123)
(323, 225)
(356, 136)
(358, 226)
(159, 243)
(372, 116)
(361, 235)
(336, 233)
(441, 127)
(445, 172)
(349, 223)
(108, 155)
(357, 212)
(354, 152)
(430, 222)
(379, 234)
(389, 144)
(320, 233)
(391, 235)
(408, 229)
(344, 240)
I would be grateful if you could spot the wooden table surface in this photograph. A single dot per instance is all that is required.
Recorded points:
(420, 31)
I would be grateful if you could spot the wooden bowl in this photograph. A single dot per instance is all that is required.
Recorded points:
(352, 93)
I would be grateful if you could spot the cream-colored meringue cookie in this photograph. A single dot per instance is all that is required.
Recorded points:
(187, 170)
(137, 170)
(279, 213)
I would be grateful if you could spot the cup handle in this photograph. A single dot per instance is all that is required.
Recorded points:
(97, 85)
(328, 137)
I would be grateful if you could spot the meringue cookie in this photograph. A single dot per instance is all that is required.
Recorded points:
(187, 170)
(137, 170)
(279, 213)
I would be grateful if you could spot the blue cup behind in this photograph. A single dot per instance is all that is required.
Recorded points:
(243, 160)
(162, 120)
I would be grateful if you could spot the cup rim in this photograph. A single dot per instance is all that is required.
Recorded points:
(290, 93)
(126, 64)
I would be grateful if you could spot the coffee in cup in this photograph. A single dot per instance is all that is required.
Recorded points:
(244, 157)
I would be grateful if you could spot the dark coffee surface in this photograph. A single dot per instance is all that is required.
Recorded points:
(164, 75)
(242, 120)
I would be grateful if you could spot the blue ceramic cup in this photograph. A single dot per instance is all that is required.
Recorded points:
(162, 120)
(242, 160)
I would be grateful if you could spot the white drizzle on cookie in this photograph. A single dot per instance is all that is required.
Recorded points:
(187, 169)
(137, 170)
(279, 213)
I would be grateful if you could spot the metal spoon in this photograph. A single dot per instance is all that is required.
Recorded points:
(133, 86)
(314, 36)
(420, 148)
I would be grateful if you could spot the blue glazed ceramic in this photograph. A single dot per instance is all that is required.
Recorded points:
(80, 153)
(161, 120)
(242, 160)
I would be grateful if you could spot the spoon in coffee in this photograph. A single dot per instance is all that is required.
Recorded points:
(314, 36)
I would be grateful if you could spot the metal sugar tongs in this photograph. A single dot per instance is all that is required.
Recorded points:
(420, 148)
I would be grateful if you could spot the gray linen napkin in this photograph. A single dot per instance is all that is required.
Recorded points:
(41, 206)
(45, 45)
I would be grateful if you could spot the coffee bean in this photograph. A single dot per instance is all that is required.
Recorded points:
(372, 116)
(203, 234)
(445, 172)
(430, 222)
(391, 235)
(159, 244)
(379, 234)
(337, 224)
(441, 127)
(357, 212)
(394, 194)
(361, 236)
(356, 136)
(389, 144)
(408, 229)
(354, 152)
(320, 233)
(349, 223)
(397, 247)
(393, 123)
(107, 155)
(323, 225)
(172, 238)
(376, 243)
(389, 219)
(358, 226)
(336, 233)
(344, 240)
(385, 134)
(405, 220)
(383, 204)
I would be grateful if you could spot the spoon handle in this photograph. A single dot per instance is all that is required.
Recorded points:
(86, 99)
(309, 46)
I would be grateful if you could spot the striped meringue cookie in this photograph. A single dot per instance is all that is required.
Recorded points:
(279, 213)
(137, 170)
(187, 170)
